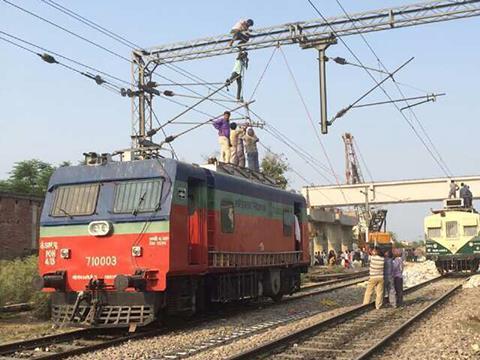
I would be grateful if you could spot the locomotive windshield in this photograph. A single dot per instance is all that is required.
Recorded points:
(123, 197)
(73, 200)
(137, 196)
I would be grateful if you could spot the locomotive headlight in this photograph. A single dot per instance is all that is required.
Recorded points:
(434, 246)
(470, 244)
(99, 228)
(136, 251)
(65, 253)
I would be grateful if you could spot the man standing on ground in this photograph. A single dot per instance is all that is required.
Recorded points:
(389, 287)
(398, 277)
(376, 279)
(223, 127)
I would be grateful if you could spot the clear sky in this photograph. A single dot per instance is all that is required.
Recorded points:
(52, 114)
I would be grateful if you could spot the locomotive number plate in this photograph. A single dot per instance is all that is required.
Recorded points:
(101, 260)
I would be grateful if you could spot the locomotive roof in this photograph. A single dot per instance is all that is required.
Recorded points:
(169, 169)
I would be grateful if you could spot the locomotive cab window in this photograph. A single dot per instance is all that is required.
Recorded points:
(137, 196)
(434, 232)
(451, 228)
(287, 222)
(227, 216)
(75, 200)
(470, 230)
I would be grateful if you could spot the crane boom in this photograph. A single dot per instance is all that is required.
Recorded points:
(317, 29)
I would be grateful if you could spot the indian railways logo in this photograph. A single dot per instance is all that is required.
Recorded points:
(158, 240)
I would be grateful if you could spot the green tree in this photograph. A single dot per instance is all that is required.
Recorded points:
(274, 166)
(29, 177)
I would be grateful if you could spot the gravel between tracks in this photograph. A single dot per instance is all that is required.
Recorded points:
(156, 347)
(451, 332)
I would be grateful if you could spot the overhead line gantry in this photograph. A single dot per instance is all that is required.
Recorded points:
(317, 34)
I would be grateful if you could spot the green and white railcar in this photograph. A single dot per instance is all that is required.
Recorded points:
(452, 237)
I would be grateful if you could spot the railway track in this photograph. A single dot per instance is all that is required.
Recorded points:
(357, 333)
(88, 340)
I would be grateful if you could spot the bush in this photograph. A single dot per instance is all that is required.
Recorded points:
(16, 285)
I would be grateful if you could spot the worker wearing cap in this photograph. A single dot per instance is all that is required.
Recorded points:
(240, 31)
(223, 126)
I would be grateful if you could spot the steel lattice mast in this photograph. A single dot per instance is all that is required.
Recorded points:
(308, 34)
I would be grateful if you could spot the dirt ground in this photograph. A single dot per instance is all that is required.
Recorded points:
(23, 325)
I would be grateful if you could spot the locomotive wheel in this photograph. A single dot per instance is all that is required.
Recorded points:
(277, 298)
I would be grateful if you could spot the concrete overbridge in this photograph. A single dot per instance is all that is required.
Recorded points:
(386, 192)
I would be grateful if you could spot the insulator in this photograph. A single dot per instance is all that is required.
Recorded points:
(98, 79)
(340, 60)
(48, 58)
(168, 93)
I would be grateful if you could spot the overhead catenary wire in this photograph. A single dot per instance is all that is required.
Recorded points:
(131, 45)
(378, 84)
(314, 128)
(51, 60)
(355, 144)
(428, 97)
(383, 90)
(264, 72)
(414, 115)
(289, 167)
(111, 52)
(76, 62)
(305, 155)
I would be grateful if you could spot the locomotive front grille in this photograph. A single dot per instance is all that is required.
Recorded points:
(109, 316)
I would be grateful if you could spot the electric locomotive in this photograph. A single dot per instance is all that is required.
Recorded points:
(452, 237)
(124, 242)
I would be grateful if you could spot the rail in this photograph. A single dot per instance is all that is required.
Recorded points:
(271, 346)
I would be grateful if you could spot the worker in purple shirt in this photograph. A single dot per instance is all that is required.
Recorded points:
(223, 127)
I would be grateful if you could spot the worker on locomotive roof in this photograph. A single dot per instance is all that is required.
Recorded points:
(251, 148)
(240, 31)
(223, 126)
(453, 190)
(468, 198)
(237, 156)
(241, 64)
(463, 193)
(376, 279)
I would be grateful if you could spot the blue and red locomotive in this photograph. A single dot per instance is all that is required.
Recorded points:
(123, 242)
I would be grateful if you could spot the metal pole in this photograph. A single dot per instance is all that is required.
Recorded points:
(139, 101)
(323, 88)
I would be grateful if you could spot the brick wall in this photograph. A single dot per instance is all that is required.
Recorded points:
(19, 224)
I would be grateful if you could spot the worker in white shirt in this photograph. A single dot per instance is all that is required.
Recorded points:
(240, 31)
